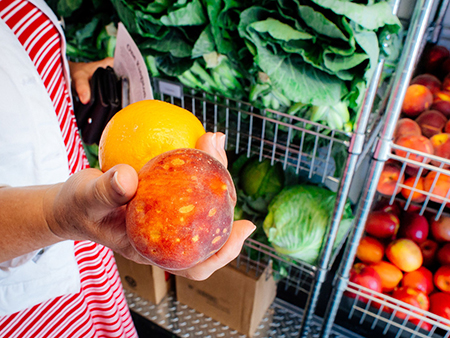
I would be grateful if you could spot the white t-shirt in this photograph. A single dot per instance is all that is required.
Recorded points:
(32, 152)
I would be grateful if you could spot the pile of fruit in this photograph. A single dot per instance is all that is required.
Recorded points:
(406, 256)
(424, 127)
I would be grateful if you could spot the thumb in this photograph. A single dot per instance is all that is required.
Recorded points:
(115, 187)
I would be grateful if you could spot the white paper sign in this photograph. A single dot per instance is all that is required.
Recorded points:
(129, 63)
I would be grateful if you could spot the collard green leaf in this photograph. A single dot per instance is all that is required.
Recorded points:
(319, 23)
(67, 7)
(299, 81)
(371, 16)
(204, 44)
(174, 44)
(279, 30)
(190, 15)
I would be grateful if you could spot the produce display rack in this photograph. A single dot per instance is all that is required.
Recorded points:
(359, 306)
(305, 147)
(282, 320)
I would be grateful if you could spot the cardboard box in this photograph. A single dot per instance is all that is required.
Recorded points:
(149, 282)
(235, 295)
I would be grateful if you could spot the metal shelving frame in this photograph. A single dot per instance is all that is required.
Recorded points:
(363, 302)
(270, 134)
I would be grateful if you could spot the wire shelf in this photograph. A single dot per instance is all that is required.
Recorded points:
(391, 317)
(307, 147)
(419, 167)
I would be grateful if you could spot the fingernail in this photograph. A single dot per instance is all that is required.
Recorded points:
(252, 230)
(116, 185)
(220, 143)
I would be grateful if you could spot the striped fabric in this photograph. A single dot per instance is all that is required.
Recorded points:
(100, 308)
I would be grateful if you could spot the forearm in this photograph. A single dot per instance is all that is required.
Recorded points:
(23, 220)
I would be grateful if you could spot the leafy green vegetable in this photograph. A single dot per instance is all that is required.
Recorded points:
(298, 219)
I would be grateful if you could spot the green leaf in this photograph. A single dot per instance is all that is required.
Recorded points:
(299, 81)
(204, 44)
(371, 16)
(190, 15)
(67, 7)
(279, 30)
(318, 22)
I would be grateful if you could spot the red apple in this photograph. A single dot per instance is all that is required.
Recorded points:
(440, 304)
(384, 204)
(429, 250)
(440, 229)
(442, 278)
(420, 279)
(182, 212)
(382, 224)
(443, 254)
(364, 275)
(414, 227)
(412, 297)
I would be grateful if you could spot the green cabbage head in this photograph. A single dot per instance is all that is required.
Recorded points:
(298, 218)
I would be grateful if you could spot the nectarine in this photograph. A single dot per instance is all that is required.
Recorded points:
(182, 212)
(417, 99)
(441, 102)
(431, 122)
(441, 145)
(391, 176)
(414, 191)
(418, 143)
(428, 80)
(405, 127)
(441, 186)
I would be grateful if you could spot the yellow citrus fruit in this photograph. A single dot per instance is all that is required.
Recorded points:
(145, 129)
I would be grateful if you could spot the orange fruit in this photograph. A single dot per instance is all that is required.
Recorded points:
(145, 129)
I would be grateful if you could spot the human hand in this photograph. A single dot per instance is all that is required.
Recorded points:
(91, 205)
(81, 73)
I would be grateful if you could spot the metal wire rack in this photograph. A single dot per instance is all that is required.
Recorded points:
(390, 317)
(379, 313)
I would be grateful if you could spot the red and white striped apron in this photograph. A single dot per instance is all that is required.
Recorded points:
(100, 308)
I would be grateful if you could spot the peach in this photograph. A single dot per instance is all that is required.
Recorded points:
(406, 126)
(428, 80)
(441, 146)
(404, 254)
(370, 250)
(434, 58)
(431, 122)
(418, 143)
(441, 102)
(417, 99)
(389, 273)
(390, 178)
(415, 186)
(182, 212)
(412, 297)
(441, 186)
